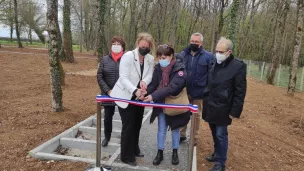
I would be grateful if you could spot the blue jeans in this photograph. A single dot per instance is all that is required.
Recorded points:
(161, 134)
(220, 139)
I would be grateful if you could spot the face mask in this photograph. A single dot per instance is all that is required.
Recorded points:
(116, 48)
(164, 62)
(144, 51)
(194, 47)
(220, 57)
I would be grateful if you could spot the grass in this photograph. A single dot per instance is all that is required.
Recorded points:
(284, 77)
(36, 45)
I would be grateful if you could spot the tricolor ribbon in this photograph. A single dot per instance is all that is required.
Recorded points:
(103, 98)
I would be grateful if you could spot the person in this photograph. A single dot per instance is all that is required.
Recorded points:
(169, 79)
(135, 73)
(107, 75)
(196, 60)
(224, 98)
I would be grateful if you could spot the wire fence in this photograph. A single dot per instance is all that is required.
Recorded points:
(260, 69)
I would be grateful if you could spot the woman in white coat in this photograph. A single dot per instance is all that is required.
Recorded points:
(135, 73)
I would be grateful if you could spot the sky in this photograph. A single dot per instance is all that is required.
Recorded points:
(5, 30)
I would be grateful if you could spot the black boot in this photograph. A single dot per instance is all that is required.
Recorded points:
(105, 142)
(175, 159)
(211, 158)
(159, 157)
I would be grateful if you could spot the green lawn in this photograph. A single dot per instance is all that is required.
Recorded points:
(36, 45)
(284, 77)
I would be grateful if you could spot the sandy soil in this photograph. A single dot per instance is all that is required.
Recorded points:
(267, 137)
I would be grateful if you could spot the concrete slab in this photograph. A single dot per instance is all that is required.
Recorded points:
(52, 144)
(87, 145)
(92, 130)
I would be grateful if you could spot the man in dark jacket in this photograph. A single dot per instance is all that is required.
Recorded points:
(224, 98)
(196, 60)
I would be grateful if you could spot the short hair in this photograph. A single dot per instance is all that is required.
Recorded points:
(120, 40)
(198, 34)
(228, 42)
(165, 49)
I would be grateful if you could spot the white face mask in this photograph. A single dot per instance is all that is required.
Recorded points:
(116, 48)
(220, 57)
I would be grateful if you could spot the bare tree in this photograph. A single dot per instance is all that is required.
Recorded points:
(67, 35)
(101, 31)
(297, 49)
(279, 30)
(17, 24)
(52, 19)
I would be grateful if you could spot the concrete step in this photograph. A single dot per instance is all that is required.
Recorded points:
(92, 130)
(87, 145)
(116, 124)
(88, 136)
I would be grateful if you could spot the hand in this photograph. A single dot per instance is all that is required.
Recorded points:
(148, 99)
(140, 92)
(109, 92)
(143, 85)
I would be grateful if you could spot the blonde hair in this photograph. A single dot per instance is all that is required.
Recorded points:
(147, 37)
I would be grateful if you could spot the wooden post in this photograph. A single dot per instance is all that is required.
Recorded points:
(302, 79)
(191, 143)
(262, 73)
(98, 136)
(279, 75)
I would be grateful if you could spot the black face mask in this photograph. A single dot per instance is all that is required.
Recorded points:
(144, 51)
(194, 47)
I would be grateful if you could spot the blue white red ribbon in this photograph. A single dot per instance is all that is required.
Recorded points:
(103, 98)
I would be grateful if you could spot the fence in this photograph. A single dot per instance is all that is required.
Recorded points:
(259, 70)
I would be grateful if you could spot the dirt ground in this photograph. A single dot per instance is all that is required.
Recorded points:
(268, 136)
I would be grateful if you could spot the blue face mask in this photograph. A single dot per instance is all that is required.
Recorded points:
(164, 62)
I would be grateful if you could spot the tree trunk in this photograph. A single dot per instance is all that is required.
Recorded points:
(60, 45)
(220, 24)
(233, 20)
(67, 35)
(278, 41)
(296, 53)
(39, 33)
(30, 36)
(132, 36)
(17, 24)
(173, 23)
(101, 31)
(11, 20)
(86, 24)
(81, 27)
(146, 15)
(52, 19)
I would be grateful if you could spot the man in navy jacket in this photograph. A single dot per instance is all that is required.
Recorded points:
(196, 60)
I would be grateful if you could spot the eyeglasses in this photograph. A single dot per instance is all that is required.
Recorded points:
(221, 52)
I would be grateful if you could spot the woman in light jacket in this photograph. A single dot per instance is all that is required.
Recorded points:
(135, 73)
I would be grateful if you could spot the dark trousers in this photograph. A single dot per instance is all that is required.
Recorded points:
(220, 139)
(108, 118)
(131, 123)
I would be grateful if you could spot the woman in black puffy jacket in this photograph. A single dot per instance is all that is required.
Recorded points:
(107, 75)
